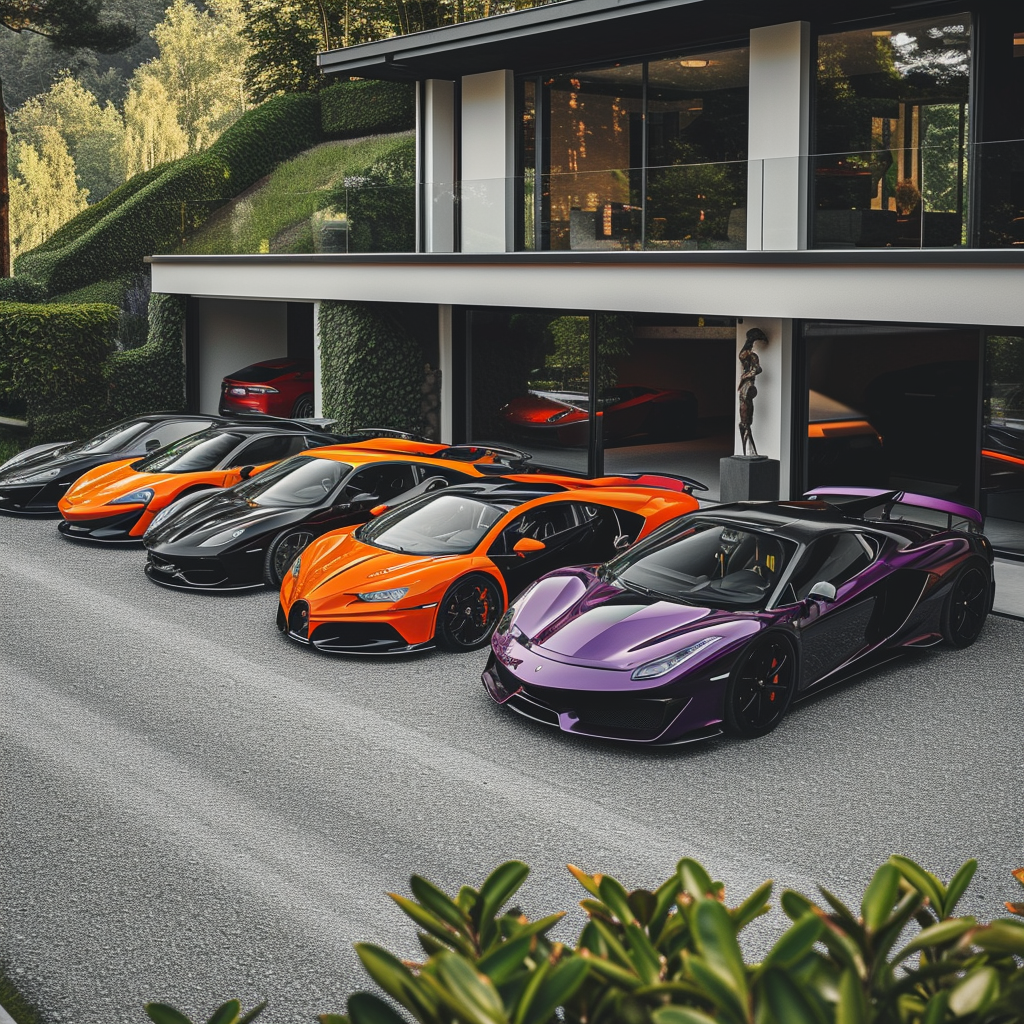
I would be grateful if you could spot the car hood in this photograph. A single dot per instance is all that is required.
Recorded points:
(216, 513)
(63, 456)
(575, 617)
(337, 563)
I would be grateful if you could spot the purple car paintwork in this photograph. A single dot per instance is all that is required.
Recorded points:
(569, 651)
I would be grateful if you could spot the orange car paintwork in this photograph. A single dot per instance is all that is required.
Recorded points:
(354, 567)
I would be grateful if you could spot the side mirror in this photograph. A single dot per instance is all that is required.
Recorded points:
(378, 510)
(525, 544)
(824, 591)
(152, 444)
(245, 472)
(363, 496)
(621, 542)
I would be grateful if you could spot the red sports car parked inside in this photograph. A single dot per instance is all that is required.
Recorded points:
(275, 387)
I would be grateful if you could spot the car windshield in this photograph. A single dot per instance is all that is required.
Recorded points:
(196, 453)
(300, 482)
(448, 524)
(110, 440)
(715, 564)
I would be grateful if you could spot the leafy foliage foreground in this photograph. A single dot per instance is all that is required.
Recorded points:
(672, 956)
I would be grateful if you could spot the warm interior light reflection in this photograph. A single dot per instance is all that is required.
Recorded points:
(697, 63)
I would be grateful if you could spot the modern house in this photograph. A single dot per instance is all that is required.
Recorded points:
(613, 195)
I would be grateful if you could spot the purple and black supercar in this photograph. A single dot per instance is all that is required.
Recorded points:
(721, 618)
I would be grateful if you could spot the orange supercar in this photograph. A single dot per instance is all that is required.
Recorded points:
(441, 570)
(115, 503)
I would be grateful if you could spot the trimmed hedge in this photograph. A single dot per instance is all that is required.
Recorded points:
(382, 204)
(156, 218)
(51, 356)
(351, 110)
(151, 377)
(372, 366)
(20, 289)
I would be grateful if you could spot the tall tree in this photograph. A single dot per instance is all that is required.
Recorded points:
(68, 24)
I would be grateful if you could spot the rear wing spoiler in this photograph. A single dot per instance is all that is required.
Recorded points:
(896, 505)
(666, 481)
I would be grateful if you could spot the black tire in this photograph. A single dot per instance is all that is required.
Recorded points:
(282, 551)
(966, 607)
(761, 687)
(468, 613)
(303, 407)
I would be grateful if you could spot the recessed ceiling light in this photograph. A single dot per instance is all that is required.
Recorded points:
(696, 63)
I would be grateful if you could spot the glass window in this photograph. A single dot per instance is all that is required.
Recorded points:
(1002, 441)
(112, 439)
(448, 524)
(891, 124)
(301, 482)
(382, 482)
(197, 453)
(267, 449)
(835, 558)
(165, 433)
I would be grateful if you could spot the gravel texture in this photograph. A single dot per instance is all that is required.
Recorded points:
(191, 808)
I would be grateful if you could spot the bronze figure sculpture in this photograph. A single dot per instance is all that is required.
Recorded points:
(751, 367)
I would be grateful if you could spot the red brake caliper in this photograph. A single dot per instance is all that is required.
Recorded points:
(775, 680)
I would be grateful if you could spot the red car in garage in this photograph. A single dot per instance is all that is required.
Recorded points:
(275, 387)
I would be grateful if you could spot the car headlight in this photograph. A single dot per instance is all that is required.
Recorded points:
(296, 566)
(384, 595)
(143, 496)
(655, 669)
(34, 478)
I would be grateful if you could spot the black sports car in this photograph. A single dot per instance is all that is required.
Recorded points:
(35, 480)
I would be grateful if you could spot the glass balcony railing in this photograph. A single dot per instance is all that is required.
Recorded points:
(921, 198)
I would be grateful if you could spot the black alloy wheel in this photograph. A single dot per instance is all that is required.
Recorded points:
(303, 407)
(468, 613)
(281, 552)
(965, 609)
(761, 687)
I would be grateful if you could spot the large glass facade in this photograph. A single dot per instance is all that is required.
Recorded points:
(648, 155)
(892, 121)
(1002, 451)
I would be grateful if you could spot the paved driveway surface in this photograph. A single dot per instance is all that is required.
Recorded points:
(193, 809)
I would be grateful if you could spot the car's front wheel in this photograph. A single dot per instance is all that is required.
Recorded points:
(761, 686)
(967, 605)
(281, 552)
(468, 613)
(303, 407)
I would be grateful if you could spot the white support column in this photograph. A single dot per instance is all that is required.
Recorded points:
(773, 407)
(438, 165)
(446, 366)
(779, 133)
(318, 369)
(488, 162)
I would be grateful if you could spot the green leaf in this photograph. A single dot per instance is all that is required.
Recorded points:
(387, 970)
(923, 881)
(467, 899)
(718, 987)
(612, 972)
(471, 991)
(226, 1013)
(680, 1015)
(615, 947)
(938, 934)
(788, 1003)
(589, 882)
(796, 941)
(975, 993)
(935, 1011)
(645, 957)
(333, 1018)
(366, 1008)
(880, 897)
(438, 903)
(614, 895)
(852, 1007)
(501, 885)
(556, 989)
(694, 880)
(958, 886)
(431, 923)
(161, 1013)
(716, 940)
(537, 927)
(247, 1018)
(843, 912)
(644, 906)
(752, 907)
(1001, 936)
(503, 962)
(795, 904)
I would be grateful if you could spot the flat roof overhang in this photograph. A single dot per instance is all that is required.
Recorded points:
(973, 287)
(578, 32)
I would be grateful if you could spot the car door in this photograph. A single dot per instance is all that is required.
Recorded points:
(261, 452)
(832, 631)
(567, 532)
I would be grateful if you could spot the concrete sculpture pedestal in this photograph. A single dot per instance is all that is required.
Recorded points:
(749, 478)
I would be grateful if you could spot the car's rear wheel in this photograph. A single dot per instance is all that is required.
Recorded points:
(967, 605)
(761, 686)
(281, 552)
(468, 613)
(303, 407)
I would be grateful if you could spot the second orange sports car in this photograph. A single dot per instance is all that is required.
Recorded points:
(441, 570)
